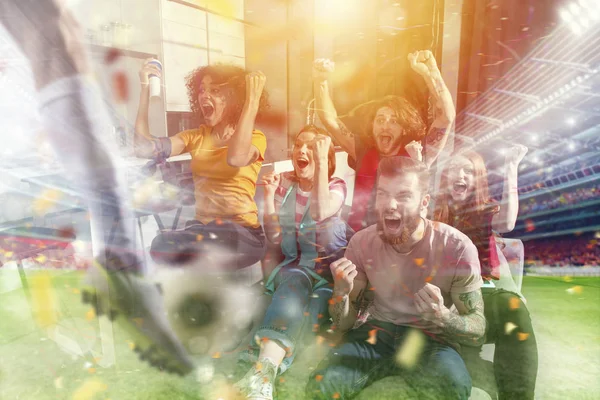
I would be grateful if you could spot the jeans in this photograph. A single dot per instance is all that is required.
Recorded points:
(295, 313)
(515, 355)
(439, 373)
(246, 245)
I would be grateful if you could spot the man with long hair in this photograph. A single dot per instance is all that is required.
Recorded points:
(391, 126)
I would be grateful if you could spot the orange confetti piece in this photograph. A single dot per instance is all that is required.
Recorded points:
(319, 316)
(419, 262)
(429, 279)
(92, 370)
(336, 395)
(120, 87)
(522, 336)
(529, 225)
(306, 313)
(281, 380)
(319, 378)
(372, 337)
(320, 340)
(514, 303)
(199, 238)
(216, 355)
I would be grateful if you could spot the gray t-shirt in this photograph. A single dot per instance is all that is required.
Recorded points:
(445, 257)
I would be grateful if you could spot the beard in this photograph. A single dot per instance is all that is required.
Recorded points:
(409, 226)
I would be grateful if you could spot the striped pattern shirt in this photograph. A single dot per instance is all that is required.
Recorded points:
(336, 185)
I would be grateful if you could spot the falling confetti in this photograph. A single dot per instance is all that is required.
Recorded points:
(514, 303)
(419, 262)
(411, 349)
(509, 327)
(112, 55)
(372, 337)
(46, 201)
(575, 290)
(120, 87)
(522, 336)
(89, 389)
(529, 225)
(43, 299)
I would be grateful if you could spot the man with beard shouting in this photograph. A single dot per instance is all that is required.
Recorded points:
(390, 126)
(417, 269)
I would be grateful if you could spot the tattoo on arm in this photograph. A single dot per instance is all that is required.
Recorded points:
(435, 136)
(344, 129)
(468, 328)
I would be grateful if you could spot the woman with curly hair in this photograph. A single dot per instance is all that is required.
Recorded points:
(227, 154)
(465, 204)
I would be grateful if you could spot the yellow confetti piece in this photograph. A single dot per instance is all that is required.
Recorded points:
(41, 258)
(8, 254)
(58, 383)
(43, 299)
(320, 340)
(90, 314)
(216, 355)
(568, 279)
(522, 336)
(411, 349)
(92, 370)
(372, 337)
(46, 201)
(509, 327)
(575, 290)
(131, 345)
(75, 291)
(89, 389)
(514, 303)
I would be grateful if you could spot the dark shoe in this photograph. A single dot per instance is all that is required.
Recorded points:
(138, 306)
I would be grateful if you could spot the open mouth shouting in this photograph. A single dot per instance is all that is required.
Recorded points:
(459, 188)
(208, 109)
(385, 140)
(392, 223)
(302, 163)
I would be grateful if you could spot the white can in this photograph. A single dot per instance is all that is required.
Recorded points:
(155, 80)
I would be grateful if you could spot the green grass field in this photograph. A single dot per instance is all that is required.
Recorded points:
(34, 366)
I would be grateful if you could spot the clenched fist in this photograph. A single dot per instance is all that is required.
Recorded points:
(344, 272)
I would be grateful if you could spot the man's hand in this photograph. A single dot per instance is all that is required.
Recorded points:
(415, 150)
(270, 182)
(322, 68)
(515, 154)
(344, 272)
(320, 148)
(430, 304)
(423, 63)
(255, 83)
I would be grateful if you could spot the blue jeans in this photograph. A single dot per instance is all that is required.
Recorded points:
(440, 372)
(296, 310)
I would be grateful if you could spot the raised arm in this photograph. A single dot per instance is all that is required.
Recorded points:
(348, 290)
(504, 221)
(326, 110)
(324, 203)
(241, 151)
(145, 145)
(270, 182)
(423, 63)
(466, 327)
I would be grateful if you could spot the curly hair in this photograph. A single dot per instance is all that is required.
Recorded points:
(233, 81)
(412, 123)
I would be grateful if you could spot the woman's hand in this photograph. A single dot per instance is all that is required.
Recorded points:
(270, 182)
(255, 83)
(320, 148)
(147, 70)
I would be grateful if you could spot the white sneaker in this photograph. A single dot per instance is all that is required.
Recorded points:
(258, 383)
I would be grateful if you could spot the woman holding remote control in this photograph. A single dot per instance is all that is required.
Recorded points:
(227, 154)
